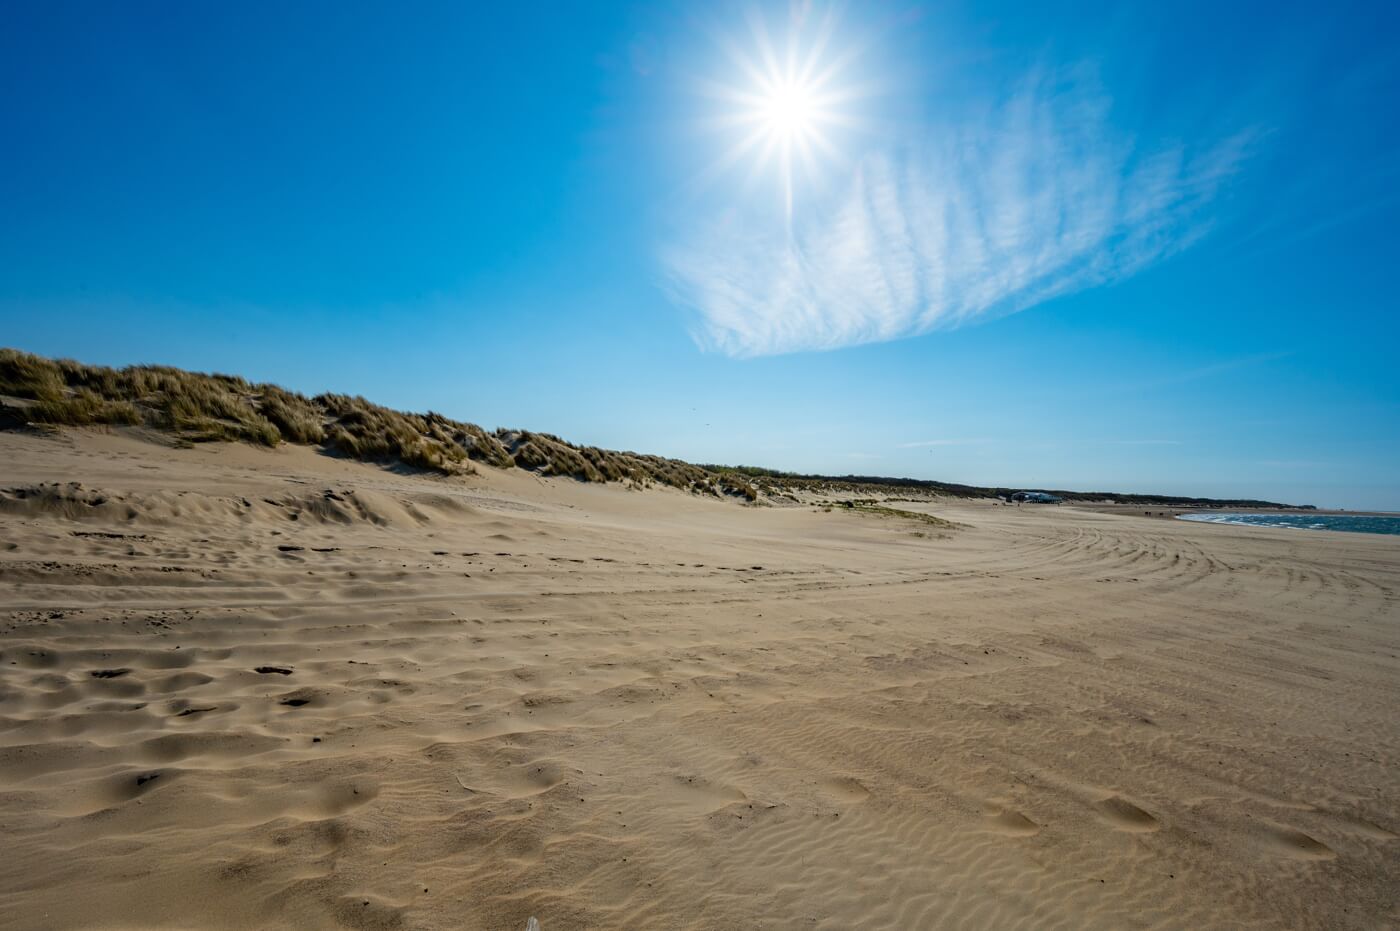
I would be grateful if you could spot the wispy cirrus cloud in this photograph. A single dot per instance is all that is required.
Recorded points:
(1034, 198)
(1143, 442)
(919, 444)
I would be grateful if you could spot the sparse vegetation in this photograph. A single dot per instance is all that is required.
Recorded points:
(884, 485)
(869, 507)
(358, 429)
(197, 408)
(83, 407)
(194, 408)
(294, 418)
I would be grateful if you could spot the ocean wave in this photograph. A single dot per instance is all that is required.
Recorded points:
(1351, 523)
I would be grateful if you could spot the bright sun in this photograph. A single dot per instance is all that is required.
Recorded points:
(789, 111)
(788, 101)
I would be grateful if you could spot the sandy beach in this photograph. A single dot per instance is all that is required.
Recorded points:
(245, 688)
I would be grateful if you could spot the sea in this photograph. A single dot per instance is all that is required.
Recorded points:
(1355, 523)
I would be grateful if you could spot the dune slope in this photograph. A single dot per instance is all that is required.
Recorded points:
(246, 688)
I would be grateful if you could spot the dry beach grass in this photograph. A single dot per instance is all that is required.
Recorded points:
(248, 687)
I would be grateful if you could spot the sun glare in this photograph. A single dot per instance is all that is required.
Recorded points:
(788, 111)
(787, 102)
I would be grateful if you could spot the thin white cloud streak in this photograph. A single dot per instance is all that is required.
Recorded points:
(1036, 198)
(1143, 442)
(922, 443)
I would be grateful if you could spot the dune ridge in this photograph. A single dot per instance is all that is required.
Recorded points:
(192, 407)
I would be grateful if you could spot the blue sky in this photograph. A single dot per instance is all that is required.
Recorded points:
(1138, 247)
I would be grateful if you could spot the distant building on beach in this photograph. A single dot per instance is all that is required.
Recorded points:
(1034, 497)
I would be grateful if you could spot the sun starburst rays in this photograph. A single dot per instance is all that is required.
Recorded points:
(786, 107)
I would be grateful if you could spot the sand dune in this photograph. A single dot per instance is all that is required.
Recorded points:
(270, 689)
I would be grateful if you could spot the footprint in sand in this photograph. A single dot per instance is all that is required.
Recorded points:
(525, 780)
(114, 791)
(1123, 815)
(1008, 821)
(844, 789)
(367, 912)
(1294, 844)
(696, 793)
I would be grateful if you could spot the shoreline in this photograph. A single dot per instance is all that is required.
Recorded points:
(1150, 511)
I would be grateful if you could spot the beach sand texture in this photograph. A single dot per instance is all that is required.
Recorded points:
(243, 688)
